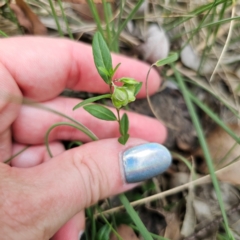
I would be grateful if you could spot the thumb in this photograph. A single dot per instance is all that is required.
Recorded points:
(56, 190)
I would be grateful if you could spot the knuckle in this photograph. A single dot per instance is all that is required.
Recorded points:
(94, 180)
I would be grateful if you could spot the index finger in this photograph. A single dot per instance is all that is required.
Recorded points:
(44, 67)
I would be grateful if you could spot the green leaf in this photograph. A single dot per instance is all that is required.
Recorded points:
(123, 139)
(102, 57)
(138, 88)
(124, 124)
(115, 69)
(129, 81)
(90, 100)
(103, 70)
(103, 232)
(172, 57)
(135, 217)
(100, 112)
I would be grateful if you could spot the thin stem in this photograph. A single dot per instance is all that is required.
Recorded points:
(16, 154)
(109, 35)
(3, 33)
(95, 15)
(41, 106)
(56, 18)
(130, 16)
(65, 20)
(64, 124)
(110, 226)
(118, 115)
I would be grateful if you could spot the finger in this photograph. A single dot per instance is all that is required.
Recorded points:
(8, 111)
(72, 229)
(45, 66)
(34, 155)
(32, 124)
(59, 189)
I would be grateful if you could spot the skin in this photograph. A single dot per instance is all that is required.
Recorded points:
(42, 198)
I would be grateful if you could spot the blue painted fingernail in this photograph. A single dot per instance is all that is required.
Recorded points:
(145, 161)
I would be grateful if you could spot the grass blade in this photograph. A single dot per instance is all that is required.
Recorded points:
(123, 25)
(56, 18)
(96, 17)
(65, 19)
(204, 146)
(135, 217)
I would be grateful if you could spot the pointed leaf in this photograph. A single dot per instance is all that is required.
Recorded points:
(91, 100)
(103, 70)
(100, 112)
(172, 57)
(138, 88)
(123, 139)
(124, 124)
(102, 57)
(103, 232)
(115, 69)
(129, 81)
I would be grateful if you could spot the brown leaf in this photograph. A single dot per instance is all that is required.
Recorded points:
(125, 232)
(22, 19)
(222, 147)
(28, 19)
(85, 1)
(230, 173)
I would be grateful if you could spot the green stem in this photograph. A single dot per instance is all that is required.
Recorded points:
(105, 7)
(3, 33)
(118, 115)
(123, 25)
(95, 16)
(41, 106)
(56, 18)
(110, 226)
(16, 154)
(65, 20)
(88, 133)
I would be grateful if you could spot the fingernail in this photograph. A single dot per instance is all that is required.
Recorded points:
(145, 161)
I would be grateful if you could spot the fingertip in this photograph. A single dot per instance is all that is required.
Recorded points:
(147, 128)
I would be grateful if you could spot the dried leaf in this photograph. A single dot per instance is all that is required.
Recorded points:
(222, 147)
(173, 226)
(84, 1)
(28, 19)
(21, 17)
(230, 174)
(125, 232)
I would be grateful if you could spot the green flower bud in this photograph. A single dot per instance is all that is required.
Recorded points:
(129, 81)
(130, 91)
(119, 97)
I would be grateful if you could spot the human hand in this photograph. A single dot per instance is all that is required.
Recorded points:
(38, 200)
